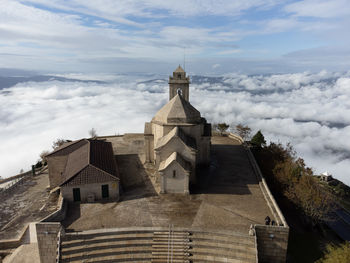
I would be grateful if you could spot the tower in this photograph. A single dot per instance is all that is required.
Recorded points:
(179, 83)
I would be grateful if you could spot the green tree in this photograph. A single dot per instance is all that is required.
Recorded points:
(258, 140)
(243, 131)
(336, 254)
(222, 127)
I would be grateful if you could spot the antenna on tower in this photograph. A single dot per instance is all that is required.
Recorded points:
(184, 58)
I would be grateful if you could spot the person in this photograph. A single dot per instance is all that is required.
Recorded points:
(273, 223)
(267, 220)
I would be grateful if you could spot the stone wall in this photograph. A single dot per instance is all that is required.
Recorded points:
(59, 214)
(48, 235)
(57, 165)
(272, 243)
(96, 189)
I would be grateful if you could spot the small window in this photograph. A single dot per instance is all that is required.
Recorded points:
(174, 174)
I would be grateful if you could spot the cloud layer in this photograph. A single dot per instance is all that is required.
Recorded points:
(312, 111)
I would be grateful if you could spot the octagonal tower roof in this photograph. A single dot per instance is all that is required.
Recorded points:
(177, 110)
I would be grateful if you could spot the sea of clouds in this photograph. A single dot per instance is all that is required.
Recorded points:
(310, 110)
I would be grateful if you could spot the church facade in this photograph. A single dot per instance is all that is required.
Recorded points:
(177, 140)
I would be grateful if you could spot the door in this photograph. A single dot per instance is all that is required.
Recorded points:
(76, 195)
(105, 191)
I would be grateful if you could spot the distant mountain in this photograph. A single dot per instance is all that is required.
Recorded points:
(7, 82)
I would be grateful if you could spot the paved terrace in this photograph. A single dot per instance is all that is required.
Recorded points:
(27, 202)
(228, 197)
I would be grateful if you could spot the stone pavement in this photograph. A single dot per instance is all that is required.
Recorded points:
(227, 197)
(29, 202)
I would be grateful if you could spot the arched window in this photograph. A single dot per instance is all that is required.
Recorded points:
(174, 173)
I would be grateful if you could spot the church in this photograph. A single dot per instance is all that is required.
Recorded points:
(177, 138)
(175, 143)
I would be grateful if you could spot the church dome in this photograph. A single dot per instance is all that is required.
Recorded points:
(177, 110)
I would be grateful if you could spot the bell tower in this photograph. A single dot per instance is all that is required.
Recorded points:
(179, 83)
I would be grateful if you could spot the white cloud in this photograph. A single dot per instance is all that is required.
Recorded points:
(319, 8)
(310, 110)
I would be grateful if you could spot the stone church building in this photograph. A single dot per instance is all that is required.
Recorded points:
(175, 143)
(177, 138)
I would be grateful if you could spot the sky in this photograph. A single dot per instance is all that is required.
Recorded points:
(255, 36)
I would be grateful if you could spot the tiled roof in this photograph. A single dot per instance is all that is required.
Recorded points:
(94, 155)
(67, 148)
(178, 110)
(179, 69)
(175, 157)
(90, 175)
(176, 132)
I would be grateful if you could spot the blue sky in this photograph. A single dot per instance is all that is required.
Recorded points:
(256, 36)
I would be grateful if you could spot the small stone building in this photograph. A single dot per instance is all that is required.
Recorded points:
(85, 170)
(177, 138)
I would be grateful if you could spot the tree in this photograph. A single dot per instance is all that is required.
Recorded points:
(314, 201)
(92, 133)
(336, 254)
(243, 131)
(222, 127)
(59, 142)
(258, 140)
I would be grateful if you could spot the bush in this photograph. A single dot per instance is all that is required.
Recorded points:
(258, 140)
(38, 164)
(336, 254)
(222, 127)
(243, 131)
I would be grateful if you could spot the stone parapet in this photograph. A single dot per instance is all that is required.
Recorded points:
(48, 236)
(272, 243)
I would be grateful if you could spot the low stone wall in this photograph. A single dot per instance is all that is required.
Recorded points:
(272, 243)
(48, 234)
(16, 242)
(59, 214)
(236, 137)
(266, 191)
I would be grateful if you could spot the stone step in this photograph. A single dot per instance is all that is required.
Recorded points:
(79, 237)
(224, 238)
(172, 232)
(162, 247)
(106, 247)
(165, 260)
(213, 245)
(224, 253)
(112, 257)
(91, 243)
(217, 259)
(175, 252)
(104, 242)
(166, 240)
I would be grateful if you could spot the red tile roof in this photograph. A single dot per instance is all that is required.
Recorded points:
(89, 161)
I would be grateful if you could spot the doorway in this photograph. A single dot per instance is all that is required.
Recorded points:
(105, 191)
(76, 195)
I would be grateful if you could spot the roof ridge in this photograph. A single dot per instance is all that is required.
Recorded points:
(60, 148)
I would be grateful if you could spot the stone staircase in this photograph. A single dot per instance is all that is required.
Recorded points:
(114, 246)
(170, 246)
(219, 247)
(157, 246)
